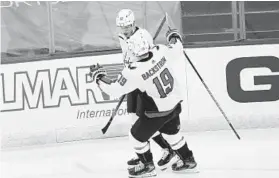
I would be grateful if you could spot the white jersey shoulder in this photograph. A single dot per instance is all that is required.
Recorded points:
(127, 57)
(143, 32)
(138, 31)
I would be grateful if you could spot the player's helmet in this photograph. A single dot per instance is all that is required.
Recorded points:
(138, 46)
(125, 20)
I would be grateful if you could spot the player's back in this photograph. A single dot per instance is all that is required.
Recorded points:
(162, 78)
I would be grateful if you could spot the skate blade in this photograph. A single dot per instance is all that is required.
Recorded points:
(171, 162)
(187, 171)
(150, 174)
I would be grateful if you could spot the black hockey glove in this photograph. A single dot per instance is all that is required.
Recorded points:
(172, 36)
(97, 72)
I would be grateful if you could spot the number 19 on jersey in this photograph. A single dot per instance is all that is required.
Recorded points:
(167, 80)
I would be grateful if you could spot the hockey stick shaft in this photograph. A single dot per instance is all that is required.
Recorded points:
(104, 130)
(206, 87)
(212, 96)
(160, 27)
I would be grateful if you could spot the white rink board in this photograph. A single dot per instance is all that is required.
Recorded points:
(55, 118)
(212, 64)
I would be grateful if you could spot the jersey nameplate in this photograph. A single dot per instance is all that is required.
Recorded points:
(154, 69)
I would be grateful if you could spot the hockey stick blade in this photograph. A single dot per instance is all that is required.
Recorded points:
(206, 87)
(104, 130)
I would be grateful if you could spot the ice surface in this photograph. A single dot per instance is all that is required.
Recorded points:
(219, 155)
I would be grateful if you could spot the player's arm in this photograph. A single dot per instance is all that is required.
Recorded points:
(123, 85)
(148, 37)
(123, 45)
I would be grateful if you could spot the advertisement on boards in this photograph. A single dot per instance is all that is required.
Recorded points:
(55, 100)
(265, 79)
(56, 96)
(243, 79)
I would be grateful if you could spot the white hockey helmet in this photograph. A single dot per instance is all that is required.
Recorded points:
(125, 20)
(125, 17)
(138, 46)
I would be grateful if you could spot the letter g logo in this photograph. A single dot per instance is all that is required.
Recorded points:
(265, 86)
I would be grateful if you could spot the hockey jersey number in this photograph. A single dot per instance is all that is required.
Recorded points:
(122, 80)
(167, 80)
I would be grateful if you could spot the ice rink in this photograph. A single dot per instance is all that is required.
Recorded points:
(218, 153)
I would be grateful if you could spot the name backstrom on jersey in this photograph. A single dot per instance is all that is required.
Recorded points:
(46, 88)
(154, 69)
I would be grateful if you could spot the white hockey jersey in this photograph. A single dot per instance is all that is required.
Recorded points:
(162, 77)
(128, 57)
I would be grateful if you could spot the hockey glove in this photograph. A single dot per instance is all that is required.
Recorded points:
(172, 36)
(97, 72)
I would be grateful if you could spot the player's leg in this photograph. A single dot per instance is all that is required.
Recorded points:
(146, 103)
(141, 132)
(171, 132)
(132, 101)
(146, 167)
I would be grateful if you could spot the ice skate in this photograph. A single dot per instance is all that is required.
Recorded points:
(142, 170)
(188, 165)
(133, 162)
(169, 157)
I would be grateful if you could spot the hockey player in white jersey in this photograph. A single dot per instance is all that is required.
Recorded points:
(138, 102)
(156, 73)
(125, 21)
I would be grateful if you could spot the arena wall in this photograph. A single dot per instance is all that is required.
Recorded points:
(53, 101)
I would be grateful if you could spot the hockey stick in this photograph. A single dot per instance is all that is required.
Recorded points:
(160, 27)
(104, 130)
(206, 87)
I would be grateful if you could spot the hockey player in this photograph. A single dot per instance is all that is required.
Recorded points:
(138, 102)
(156, 73)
